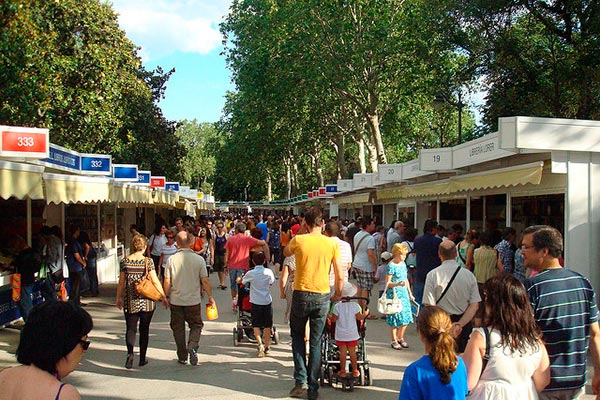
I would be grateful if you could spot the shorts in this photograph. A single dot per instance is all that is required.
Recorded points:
(364, 280)
(262, 316)
(233, 275)
(346, 343)
(219, 264)
(276, 254)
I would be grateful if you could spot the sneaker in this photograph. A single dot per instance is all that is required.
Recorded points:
(182, 362)
(193, 356)
(267, 350)
(299, 391)
(261, 351)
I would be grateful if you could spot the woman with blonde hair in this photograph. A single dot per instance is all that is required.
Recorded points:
(396, 284)
(137, 308)
(440, 374)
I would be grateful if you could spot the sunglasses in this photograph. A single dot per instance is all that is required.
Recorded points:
(85, 344)
(170, 237)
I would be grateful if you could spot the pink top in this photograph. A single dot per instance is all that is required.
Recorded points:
(238, 249)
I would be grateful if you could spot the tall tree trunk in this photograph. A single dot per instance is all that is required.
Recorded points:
(338, 143)
(372, 155)
(296, 175)
(288, 178)
(373, 121)
(361, 155)
(269, 187)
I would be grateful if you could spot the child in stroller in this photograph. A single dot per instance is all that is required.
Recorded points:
(347, 327)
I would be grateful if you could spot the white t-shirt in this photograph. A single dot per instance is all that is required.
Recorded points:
(345, 258)
(167, 251)
(157, 243)
(361, 251)
(345, 326)
(382, 275)
(260, 279)
(185, 269)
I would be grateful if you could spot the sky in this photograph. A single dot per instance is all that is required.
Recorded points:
(181, 34)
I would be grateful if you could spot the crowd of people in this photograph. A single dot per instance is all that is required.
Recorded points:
(499, 320)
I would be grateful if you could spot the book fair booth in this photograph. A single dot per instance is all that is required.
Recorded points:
(531, 171)
(45, 184)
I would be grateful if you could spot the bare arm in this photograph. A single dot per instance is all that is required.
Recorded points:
(595, 350)
(285, 273)
(541, 376)
(338, 272)
(167, 285)
(205, 284)
(465, 319)
(470, 262)
(473, 358)
(120, 287)
(372, 259)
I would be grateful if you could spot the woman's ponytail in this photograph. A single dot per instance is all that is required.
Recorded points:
(435, 324)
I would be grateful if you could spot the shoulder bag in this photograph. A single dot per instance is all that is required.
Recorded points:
(449, 284)
(389, 306)
(145, 286)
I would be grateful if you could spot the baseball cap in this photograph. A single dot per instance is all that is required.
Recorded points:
(386, 255)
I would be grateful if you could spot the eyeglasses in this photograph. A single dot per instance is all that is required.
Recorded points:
(170, 237)
(85, 344)
(525, 247)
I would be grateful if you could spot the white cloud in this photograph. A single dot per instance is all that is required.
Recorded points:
(162, 27)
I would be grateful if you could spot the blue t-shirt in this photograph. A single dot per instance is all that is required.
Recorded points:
(74, 247)
(564, 306)
(422, 382)
(427, 247)
(265, 230)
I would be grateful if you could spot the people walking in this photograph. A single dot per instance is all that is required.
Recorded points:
(315, 255)
(137, 309)
(185, 278)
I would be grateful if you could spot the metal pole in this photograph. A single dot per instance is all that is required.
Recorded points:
(460, 107)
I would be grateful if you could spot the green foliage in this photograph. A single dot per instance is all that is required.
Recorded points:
(65, 65)
(200, 141)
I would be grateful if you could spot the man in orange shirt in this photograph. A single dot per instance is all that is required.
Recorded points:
(315, 255)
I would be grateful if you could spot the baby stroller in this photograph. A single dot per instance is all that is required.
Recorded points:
(330, 357)
(244, 319)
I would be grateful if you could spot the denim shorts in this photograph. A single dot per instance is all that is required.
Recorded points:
(233, 275)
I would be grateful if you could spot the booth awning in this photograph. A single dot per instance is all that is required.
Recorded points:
(188, 206)
(353, 199)
(21, 181)
(127, 193)
(75, 189)
(165, 198)
(504, 177)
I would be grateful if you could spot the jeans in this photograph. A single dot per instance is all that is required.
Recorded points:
(313, 307)
(26, 303)
(179, 316)
(48, 290)
(75, 283)
(418, 288)
(92, 272)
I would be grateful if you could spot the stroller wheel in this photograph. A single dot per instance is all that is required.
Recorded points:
(236, 340)
(368, 377)
(361, 379)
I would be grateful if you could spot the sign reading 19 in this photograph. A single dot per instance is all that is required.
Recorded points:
(437, 158)
(96, 163)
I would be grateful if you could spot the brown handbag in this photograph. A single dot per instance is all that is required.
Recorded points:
(145, 286)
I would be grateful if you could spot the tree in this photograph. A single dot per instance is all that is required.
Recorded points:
(200, 142)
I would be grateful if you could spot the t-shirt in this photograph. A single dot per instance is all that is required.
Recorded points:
(314, 255)
(564, 306)
(295, 228)
(265, 230)
(345, 258)
(185, 269)
(239, 247)
(461, 293)
(427, 247)
(167, 251)
(363, 242)
(422, 381)
(157, 242)
(381, 275)
(260, 279)
(345, 326)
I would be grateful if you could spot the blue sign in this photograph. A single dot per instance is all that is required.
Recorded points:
(174, 186)
(331, 188)
(61, 158)
(144, 177)
(96, 164)
(125, 172)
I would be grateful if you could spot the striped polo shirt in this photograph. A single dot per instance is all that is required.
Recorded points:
(564, 306)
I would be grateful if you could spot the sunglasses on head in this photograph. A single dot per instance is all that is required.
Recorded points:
(85, 344)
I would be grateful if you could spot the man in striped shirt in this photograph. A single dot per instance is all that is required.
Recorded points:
(565, 309)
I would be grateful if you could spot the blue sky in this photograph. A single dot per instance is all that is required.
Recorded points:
(182, 34)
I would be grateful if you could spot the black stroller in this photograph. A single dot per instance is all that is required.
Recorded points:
(244, 319)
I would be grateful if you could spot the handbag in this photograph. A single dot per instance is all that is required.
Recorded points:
(389, 306)
(145, 286)
(15, 283)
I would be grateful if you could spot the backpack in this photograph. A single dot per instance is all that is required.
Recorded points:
(411, 257)
(275, 239)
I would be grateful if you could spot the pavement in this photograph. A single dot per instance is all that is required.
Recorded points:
(224, 371)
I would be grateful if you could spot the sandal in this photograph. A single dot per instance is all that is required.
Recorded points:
(396, 346)
(403, 343)
(356, 373)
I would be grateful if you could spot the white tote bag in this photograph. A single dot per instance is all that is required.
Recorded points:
(389, 306)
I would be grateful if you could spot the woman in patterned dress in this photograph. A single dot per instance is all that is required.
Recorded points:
(397, 282)
(135, 307)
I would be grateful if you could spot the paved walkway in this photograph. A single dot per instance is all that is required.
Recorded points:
(224, 371)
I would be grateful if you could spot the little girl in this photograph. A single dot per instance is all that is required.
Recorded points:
(440, 374)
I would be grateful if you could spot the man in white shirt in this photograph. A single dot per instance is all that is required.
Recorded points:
(395, 235)
(332, 230)
(365, 261)
(454, 289)
(185, 277)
